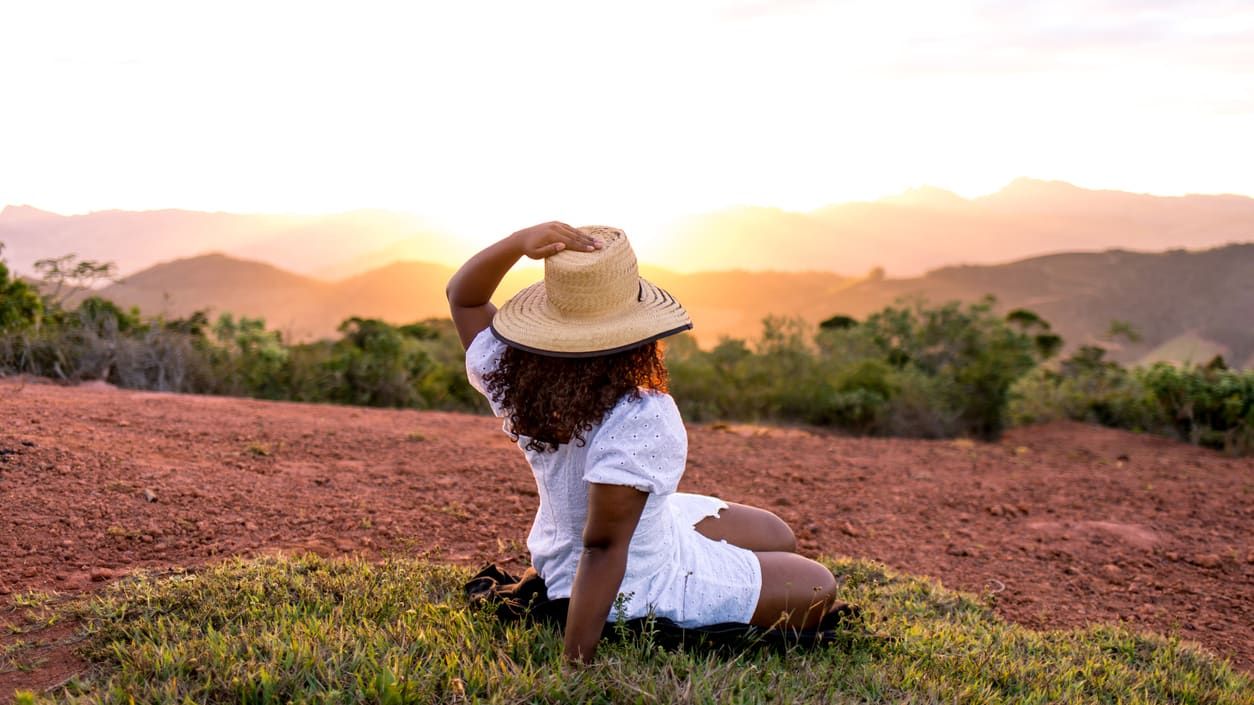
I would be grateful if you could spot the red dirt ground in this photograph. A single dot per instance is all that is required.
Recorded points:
(1080, 524)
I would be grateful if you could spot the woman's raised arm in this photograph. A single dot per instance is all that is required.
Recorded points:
(470, 290)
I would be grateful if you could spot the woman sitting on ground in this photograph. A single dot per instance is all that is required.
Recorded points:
(574, 365)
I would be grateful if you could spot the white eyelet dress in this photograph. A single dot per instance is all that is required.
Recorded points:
(672, 570)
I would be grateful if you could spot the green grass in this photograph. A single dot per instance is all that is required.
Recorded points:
(309, 630)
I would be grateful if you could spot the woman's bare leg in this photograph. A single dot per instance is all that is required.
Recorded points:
(749, 527)
(796, 591)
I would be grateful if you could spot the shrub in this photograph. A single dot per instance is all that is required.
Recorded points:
(1087, 387)
(20, 305)
(376, 364)
(1208, 406)
(907, 370)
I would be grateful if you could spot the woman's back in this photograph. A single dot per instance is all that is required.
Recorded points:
(672, 571)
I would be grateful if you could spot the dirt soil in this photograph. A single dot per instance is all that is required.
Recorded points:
(1067, 524)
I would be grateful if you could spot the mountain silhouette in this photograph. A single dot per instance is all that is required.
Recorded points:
(1164, 264)
(926, 228)
(326, 246)
(1186, 305)
(908, 234)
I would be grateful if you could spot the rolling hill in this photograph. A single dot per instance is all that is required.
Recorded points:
(302, 307)
(730, 303)
(1185, 304)
(290, 302)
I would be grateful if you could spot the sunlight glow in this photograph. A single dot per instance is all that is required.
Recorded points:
(487, 116)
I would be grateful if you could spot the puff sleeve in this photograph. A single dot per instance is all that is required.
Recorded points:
(482, 357)
(641, 443)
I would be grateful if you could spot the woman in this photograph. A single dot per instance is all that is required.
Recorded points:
(574, 366)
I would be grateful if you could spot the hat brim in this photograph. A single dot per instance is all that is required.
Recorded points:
(528, 322)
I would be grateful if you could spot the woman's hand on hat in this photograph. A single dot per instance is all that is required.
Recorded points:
(548, 239)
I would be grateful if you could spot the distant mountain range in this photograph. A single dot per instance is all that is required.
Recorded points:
(305, 274)
(907, 235)
(927, 228)
(1186, 305)
(329, 246)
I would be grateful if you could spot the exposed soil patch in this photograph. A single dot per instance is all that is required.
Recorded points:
(1079, 524)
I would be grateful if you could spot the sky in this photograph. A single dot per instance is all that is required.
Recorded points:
(486, 116)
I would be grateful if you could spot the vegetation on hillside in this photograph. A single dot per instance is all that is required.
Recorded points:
(908, 370)
(1208, 405)
(280, 630)
(911, 369)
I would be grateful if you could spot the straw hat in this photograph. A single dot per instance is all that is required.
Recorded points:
(590, 303)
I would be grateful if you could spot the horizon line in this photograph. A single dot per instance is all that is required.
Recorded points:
(70, 213)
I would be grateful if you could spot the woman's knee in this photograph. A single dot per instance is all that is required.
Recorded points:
(784, 536)
(749, 527)
(775, 533)
(821, 581)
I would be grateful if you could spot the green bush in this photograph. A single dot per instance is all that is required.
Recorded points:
(908, 370)
(1087, 387)
(20, 305)
(419, 365)
(1210, 405)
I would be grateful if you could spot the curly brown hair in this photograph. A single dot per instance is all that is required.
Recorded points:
(556, 400)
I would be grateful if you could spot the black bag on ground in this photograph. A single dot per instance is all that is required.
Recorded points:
(516, 598)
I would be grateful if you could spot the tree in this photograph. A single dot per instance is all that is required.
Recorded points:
(969, 356)
(68, 275)
(20, 305)
(1047, 343)
(838, 322)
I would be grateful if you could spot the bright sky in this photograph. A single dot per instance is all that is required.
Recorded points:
(491, 115)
